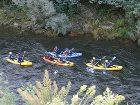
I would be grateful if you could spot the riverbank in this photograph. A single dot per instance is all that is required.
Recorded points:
(103, 23)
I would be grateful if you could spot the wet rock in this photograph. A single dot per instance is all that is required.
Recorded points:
(36, 27)
(107, 25)
(27, 26)
(137, 34)
(132, 36)
(40, 31)
(138, 42)
(16, 25)
(51, 33)
(87, 28)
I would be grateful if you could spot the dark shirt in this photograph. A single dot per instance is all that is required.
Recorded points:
(19, 58)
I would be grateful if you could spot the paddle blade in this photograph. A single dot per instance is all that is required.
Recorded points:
(114, 58)
(104, 72)
(24, 52)
(104, 57)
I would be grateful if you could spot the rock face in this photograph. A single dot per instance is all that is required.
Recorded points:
(107, 25)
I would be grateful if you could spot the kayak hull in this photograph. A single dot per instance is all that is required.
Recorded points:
(101, 67)
(55, 61)
(73, 55)
(23, 63)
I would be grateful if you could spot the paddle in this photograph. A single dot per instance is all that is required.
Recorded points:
(23, 55)
(100, 60)
(105, 65)
(111, 60)
(104, 71)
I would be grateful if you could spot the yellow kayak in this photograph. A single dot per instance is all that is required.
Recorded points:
(101, 67)
(23, 63)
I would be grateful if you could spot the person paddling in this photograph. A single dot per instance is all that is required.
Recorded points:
(66, 52)
(56, 50)
(71, 51)
(19, 58)
(106, 63)
(93, 61)
(11, 56)
(109, 63)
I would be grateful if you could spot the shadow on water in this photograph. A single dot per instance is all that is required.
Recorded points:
(125, 82)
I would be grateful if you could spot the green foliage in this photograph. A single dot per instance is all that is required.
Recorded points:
(36, 9)
(60, 23)
(42, 12)
(96, 23)
(122, 31)
(6, 97)
(120, 23)
(47, 93)
(66, 6)
(131, 7)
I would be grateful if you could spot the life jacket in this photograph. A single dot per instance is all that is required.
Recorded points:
(55, 49)
(93, 61)
(19, 58)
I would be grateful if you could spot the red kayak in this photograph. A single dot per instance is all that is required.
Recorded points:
(58, 62)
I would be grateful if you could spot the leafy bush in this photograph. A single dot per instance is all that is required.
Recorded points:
(37, 9)
(66, 6)
(122, 31)
(6, 97)
(131, 7)
(47, 93)
(120, 23)
(59, 23)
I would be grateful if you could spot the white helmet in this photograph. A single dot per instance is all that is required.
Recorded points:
(10, 52)
(106, 60)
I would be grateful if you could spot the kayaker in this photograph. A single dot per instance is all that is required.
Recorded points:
(11, 56)
(56, 50)
(19, 58)
(66, 52)
(71, 51)
(106, 63)
(93, 61)
(50, 57)
(60, 60)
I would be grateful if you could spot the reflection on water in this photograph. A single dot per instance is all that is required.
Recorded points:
(126, 82)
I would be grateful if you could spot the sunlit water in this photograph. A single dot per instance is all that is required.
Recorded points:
(125, 82)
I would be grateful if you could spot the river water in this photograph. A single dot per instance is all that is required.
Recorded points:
(125, 82)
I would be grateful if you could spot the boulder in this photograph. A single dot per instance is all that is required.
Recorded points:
(107, 25)
(16, 25)
(132, 36)
(138, 42)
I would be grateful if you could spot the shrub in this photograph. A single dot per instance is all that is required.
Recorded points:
(36, 9)
(120, 23)
(47, 93)
(59, 22)
(122, 31)
(6, 97)
(131, 7)
(66, 6)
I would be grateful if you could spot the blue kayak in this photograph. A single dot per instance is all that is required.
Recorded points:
(73, 55)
